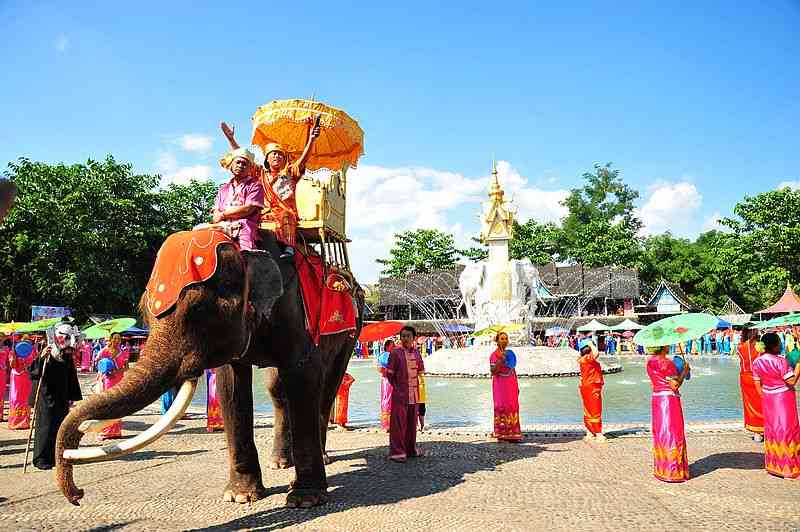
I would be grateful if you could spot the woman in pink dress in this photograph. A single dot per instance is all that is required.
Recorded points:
(111, 377)
(505, 391)
(775, 381)
(670, 460)
(19, 413)
(5, 356)
(214, 420)
(86, 356)
(386, 386)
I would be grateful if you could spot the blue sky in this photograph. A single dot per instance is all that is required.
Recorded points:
(697, 103)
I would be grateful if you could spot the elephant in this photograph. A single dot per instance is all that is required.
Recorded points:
(248, 313)
(474, 283)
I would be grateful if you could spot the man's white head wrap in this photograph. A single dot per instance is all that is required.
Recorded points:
(243, 153)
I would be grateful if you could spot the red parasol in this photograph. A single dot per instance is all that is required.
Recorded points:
(379, 330)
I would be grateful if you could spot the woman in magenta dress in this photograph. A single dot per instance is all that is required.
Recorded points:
(86, 356)
(19, 413)
(214, 420)
(505, 391)
(670, 461)
(110, 376)
(5, 358)
(386, 386)
(775, 380)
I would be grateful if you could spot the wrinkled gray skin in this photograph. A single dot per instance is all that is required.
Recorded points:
(206, 330)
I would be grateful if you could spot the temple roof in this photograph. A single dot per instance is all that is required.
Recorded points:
(676, 291)
(789, 302)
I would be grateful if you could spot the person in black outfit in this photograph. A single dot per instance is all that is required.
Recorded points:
(59, 387)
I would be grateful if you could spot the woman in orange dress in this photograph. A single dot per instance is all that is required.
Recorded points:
(751, 399)
(591, 390)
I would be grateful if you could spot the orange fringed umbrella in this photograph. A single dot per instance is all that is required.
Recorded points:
(287, 122)
(373, 332)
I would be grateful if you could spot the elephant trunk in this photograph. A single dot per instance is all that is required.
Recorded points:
(141, 385)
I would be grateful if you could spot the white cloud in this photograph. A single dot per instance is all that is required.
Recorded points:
(671, 207)
(194, 142)
(171, 172)
(384, 201)
(62, 43)
(532, 202)
(794, 185)
(711, 223)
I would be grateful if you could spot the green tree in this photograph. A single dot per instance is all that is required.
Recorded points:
(420, 251)
(184, 206)
(762, 251)
(601, 227)
(602, 243)
(86, 235)
(695, 266)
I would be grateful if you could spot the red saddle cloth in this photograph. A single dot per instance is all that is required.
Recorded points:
(328, 310)
(185, 258)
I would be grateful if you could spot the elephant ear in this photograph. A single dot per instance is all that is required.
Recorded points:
(265, 280)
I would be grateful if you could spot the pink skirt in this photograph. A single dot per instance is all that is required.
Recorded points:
(505, 392)
(19, 413)
(3, 377)
(386, 403)
(113, 431)
(781, 434)
(214, 420)
(670, 460)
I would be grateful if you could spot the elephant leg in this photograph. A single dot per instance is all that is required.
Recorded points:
(310, 485)
(324, 420)
(333, 381)
(281, 457)
(235, 388)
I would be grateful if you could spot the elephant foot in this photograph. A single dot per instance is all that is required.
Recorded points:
(244, 492)
(327, 460)
(306, 497)
(280, 462)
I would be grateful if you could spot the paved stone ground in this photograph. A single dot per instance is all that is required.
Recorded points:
(466, 482)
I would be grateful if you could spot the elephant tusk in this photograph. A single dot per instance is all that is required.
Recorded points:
(115, 450)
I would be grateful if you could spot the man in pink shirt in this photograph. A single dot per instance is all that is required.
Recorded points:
(405, 364)
(240, 200)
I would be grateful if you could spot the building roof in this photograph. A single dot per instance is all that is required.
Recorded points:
(558, 281)
(676, 291)
(731, 308)
(605, 281)
(420, 287)
(789, 302)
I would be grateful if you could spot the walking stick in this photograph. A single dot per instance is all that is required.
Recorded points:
(33, 417)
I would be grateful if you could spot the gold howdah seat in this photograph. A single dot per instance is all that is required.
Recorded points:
(321, 218)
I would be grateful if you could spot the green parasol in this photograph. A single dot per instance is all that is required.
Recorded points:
(106, 328)
(675, 329)
(789, 319)
(497, 329)
(9, 328)
(40, 325)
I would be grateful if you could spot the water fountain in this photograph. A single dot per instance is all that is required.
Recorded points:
(500, 290)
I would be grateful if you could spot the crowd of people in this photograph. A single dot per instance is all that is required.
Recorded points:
(42, 381)
(769, 370)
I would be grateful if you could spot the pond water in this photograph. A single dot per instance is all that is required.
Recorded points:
(712, 393)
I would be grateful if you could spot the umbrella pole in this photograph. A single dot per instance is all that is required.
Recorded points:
(33, 415)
